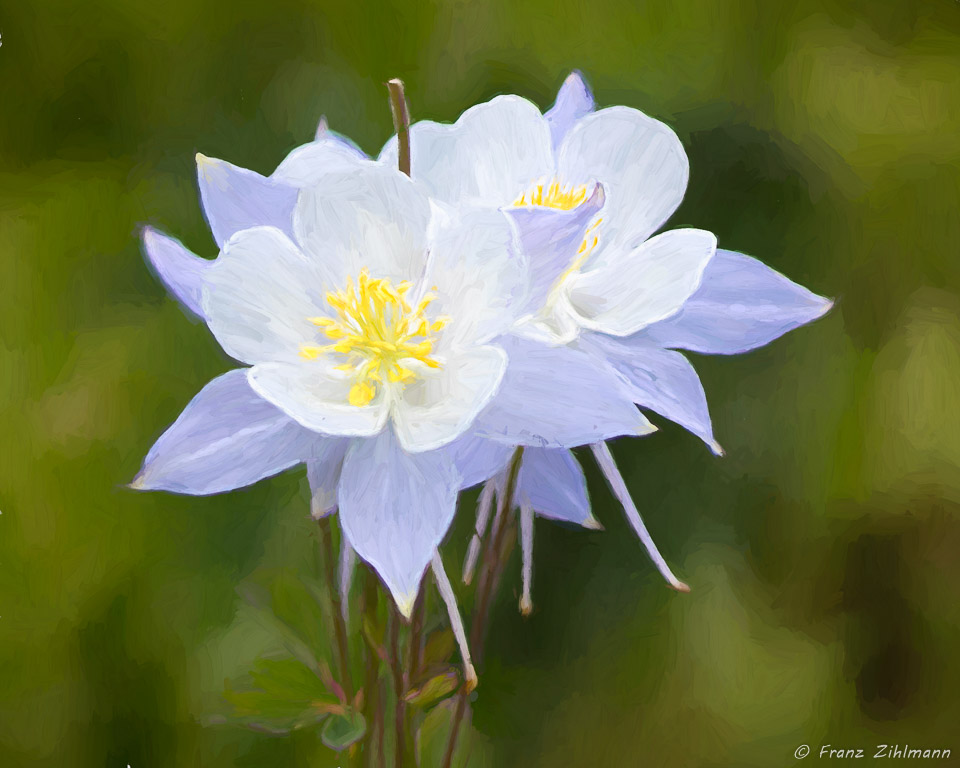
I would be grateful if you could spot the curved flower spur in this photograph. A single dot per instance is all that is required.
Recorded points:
(588, 189)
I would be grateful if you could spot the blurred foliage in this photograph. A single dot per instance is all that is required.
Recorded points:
(824, 137)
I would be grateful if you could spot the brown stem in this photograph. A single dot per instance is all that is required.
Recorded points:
(415, 651)
(401, 123)
(495, 555)
(396, 667)
(373, 694)
(330, 580)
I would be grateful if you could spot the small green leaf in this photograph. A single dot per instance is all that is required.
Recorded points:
(342, 730)
(434, 689)
(279, 696)
(440, 646)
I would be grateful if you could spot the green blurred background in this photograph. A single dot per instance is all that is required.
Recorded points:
(824, 137)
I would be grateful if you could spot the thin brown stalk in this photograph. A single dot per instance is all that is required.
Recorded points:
(495, 554)
(401, 123)
(330, 583)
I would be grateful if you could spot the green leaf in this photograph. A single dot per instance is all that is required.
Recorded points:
(440, 646)
(472, 750)
(342, 730)
(436, 688)
(279, 696)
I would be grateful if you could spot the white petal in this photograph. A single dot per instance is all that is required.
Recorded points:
(316, 395)
(491, 154)
(434, 410)
(308, 165)
(477, 272)
(643, 286)
(374, 217)
(641, 164)
(259, 294)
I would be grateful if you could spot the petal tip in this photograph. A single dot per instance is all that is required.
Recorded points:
(717, 448)
(405, 603)
(526, 606)
(322, 127)
(680, 586)
(592, 524)
(471, 681)
(139, 483)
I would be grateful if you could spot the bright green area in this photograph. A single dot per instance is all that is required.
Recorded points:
(824, 137)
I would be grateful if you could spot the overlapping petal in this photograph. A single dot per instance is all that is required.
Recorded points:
(490, 155)
(373, 218)
(395, 508)
(227, 437)
(235, 199)
(316, 394)
(741, 304)
(181, 271)
(260, 294)
(659, 379)
(641, 164)
(553, 483)
(439, 406)
(631, 290)
(477, 273)
(558, 397)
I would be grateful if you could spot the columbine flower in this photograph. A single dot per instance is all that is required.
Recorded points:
(366, 314)
(588, 190)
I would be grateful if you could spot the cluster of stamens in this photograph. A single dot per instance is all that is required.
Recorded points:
(554, 195)
(379, 331)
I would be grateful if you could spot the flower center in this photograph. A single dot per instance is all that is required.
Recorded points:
(554, 195)
(379, 331)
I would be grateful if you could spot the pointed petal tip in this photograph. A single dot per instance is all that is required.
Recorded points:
(471, 681)
(139, 483)
(467, 579)
(526, 606)
(322, 127)
(592, 524)
(717, 448)
(680, 586)
(405, 603)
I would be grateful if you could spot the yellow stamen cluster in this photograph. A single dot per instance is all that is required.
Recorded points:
(379, 331)
(554, 195)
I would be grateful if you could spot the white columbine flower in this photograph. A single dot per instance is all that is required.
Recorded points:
(588, 190)
(367, 319)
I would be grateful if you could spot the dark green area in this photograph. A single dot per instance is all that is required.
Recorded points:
(824, 138)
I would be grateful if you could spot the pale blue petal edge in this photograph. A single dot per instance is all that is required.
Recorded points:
(574, 100)
(181, 271)
(741, 304)
(395, 508)
(227, 437)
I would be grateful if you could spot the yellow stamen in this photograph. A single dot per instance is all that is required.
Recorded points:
(554, 195)
(378, 331)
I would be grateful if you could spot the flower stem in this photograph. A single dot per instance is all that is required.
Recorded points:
(401, 123)
(497, 550)
(373, 692)
(330, 581)
(396, 667)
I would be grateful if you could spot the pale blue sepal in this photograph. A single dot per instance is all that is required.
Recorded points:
(659, 379)
(227, 437)
(235, 199)
(552, 482)
(558, 397)
(741, 304)
(181, 271)
(323, 474)
(574, 100)
(395, 508)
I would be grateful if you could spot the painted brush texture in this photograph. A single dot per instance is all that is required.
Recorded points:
(823, 139)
